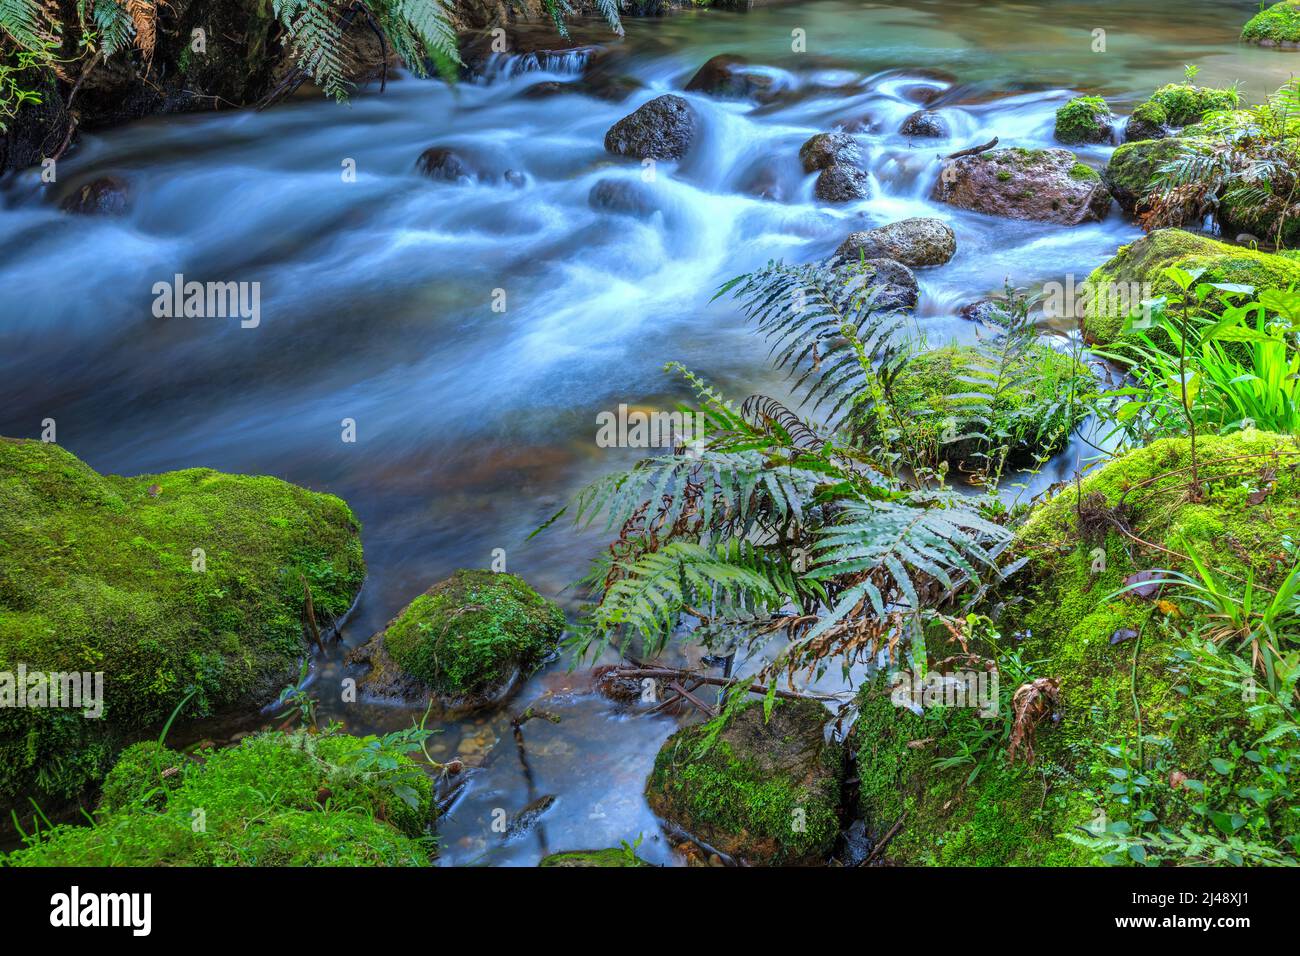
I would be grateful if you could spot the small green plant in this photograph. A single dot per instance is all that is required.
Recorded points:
(296, 696)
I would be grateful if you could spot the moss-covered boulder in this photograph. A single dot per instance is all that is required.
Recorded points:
(275, 800)
(761, 791)
(1186, 103)
(1132, 169)
(1279, 25)
(1112, 658)
(1116, 288)
(1044, 185)
(616, 856)
(942, 412)
(468, 640)
(185, 586)
(1149, 121)
(1085, 119)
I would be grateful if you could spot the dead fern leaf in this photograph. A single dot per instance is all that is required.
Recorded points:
(1030, 704)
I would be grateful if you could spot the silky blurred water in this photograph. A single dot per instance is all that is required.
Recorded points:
(474, 425)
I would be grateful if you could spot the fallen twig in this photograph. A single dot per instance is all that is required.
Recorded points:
(973, 150)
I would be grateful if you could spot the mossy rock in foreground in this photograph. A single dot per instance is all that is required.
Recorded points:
(1135, 273)
(1055, 613)
(469, 640)
(600, 858)
(765, 792)
(936, 405)
(100, 573)
(275, 800)
(1276, 26)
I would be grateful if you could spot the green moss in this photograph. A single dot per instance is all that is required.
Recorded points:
(143, 775)
(1133, 167)
(1084, 173)
(1151, 112)
(1084, 119)
(1184, 103)
(1003, 175)
(1056, 612)
(275, 800)
(758, 791)
(467, 634)
(98, 574)
(603, 858)
(1280, 23)
(935, 399)
(1140, 264)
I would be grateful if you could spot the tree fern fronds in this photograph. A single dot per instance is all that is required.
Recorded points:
(804, 310)
(898, 547)
(113, 25)
(317, 42)
(24, 22)
(144, 17)
(609, 10)
(653, 591)
(429, 22)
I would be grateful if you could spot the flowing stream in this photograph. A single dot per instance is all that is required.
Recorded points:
(475, 425)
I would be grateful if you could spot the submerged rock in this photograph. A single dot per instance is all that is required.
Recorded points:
(274, 800)
(446, 165)
(729, 76)
(663, 128)
(188, 579)
(913, 242)
(764, 792)
(624, 196)
(824, 150)
(1045, 185)
(105, 196)
(842, 184)
(1136, 273)
(468, 640)
(926, 123)
(1085, 119)
(987, 312)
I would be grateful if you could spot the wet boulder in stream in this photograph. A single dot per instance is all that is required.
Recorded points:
(920, 241)
(469, 641)
(892, 284)
(842, 183)
(825, 150)
(925, 123)
(763, 792)
(1043, 185)
(663, 128)
(728, 76)
(105, 196)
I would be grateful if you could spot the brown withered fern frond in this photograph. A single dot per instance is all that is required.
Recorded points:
(144, 14)
(1031, 703)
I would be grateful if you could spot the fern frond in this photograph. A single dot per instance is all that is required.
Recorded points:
(805, 309)
(894, 548)
(24, 22)
(144, 16)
